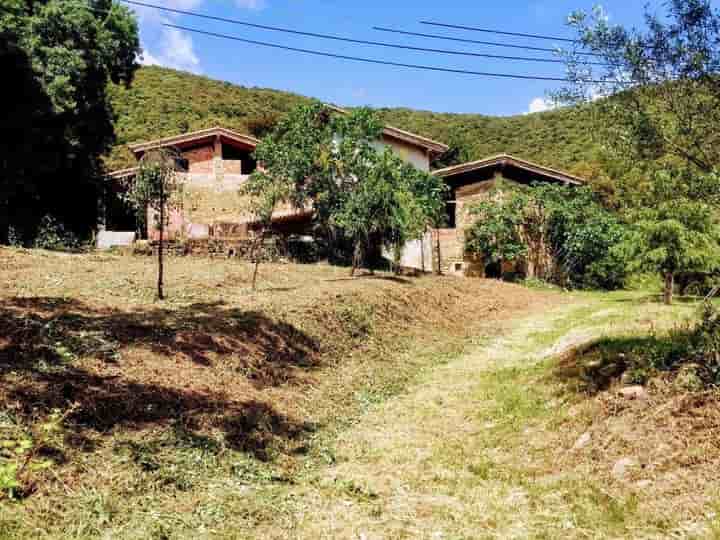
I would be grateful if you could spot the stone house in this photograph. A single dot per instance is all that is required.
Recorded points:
(217, 161)
(474, 181)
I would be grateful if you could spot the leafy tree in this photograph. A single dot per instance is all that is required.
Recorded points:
(333, 162)
(663, 82)
(264, 192)
(677, 236)
(660, 117)
(156, 189)
(582, 235)
(393, 203)
(564, 223)
(61, 54)
(497, 233)
(290, 156)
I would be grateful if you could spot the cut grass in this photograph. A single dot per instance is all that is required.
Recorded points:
(428, 408)
(209, 408)
(483, 448)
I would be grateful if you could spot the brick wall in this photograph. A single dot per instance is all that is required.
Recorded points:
(453, 259)
(232, 166)
(200, 159)
(175, 223)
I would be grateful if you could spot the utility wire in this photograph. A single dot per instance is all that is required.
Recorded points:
(376, 61)
(474, 41)
(500, 32)
(346, 39)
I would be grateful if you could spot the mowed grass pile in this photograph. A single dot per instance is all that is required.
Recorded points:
(164, 403)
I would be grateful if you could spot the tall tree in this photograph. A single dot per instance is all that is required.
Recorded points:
(263, 194)
(661, 117)
(155, 190)
(61, 53)
(359, 191)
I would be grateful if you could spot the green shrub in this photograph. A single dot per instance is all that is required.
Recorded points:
(585, 240)
(692, 353)
(703, 345)
(52, 234)
(21, 462)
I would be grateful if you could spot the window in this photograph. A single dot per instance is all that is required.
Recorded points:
(450, 210)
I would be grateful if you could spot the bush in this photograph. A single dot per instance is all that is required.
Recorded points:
(585, 241)
(691, 353)
(52, 234)
(703, 345)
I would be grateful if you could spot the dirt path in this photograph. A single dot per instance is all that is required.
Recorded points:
(411, 469)
(448, 459)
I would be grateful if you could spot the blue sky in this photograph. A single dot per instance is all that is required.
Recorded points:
(350, 83)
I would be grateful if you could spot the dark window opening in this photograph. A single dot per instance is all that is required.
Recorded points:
(233, 153)
(493, 270)
(450, 210)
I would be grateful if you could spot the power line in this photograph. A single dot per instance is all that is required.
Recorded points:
(376, 61)
(474, 41)
(500, 32)
(346, 39)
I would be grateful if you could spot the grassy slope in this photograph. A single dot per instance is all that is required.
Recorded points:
(324, 407)
(486, 446)
(217, 388)
(164, 102)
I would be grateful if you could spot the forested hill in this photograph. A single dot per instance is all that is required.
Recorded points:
(164, 102)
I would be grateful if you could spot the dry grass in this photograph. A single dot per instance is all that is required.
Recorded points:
(214, 393)
(325, 407)
(483, 447)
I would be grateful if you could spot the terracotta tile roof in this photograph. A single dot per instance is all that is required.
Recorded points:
(503, 160)
(228, 134)
(434, 147)
(123, 173)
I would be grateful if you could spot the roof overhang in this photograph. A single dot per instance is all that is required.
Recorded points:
(506, 160)
(123, 173)
(197, 137)
(434, 148)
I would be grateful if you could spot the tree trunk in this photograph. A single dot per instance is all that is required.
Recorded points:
(255, 274)
(255, 257)
(669, 286)
(437, 246)
(397, 258)
(160, 294)
(357, 254)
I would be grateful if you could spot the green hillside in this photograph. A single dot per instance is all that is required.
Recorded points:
(164, 102)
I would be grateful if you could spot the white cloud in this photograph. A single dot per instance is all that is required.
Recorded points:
(148, 59)
(171, 47)
(175, 51)
(168, 47)
(540, 105)
(251, 4)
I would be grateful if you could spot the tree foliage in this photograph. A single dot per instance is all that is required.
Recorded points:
(663, 81)
(156, 190)
(660, 118)
(334, 162)
(676, 237)
(497, 233)
(566, 224)
(60, 56)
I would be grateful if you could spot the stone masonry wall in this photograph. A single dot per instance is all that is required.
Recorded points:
(200, 159)
(453, 259)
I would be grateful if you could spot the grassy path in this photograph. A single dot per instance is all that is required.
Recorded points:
(472, 451)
